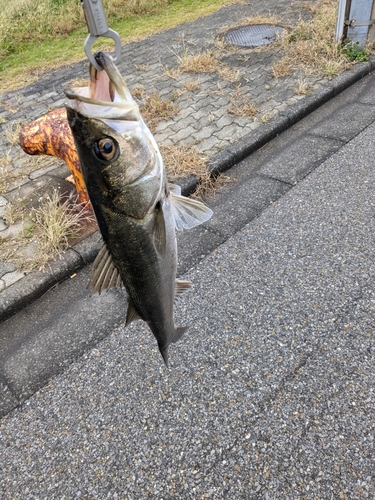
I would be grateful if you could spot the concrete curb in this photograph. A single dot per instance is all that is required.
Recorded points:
(34, 285)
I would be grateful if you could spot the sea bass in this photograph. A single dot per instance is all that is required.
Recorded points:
(137, 210)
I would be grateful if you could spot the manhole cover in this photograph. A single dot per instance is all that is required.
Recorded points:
(254, 35)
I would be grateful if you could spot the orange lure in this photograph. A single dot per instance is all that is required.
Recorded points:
(51, 135)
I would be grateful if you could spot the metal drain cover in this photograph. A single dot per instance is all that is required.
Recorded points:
(253, 35)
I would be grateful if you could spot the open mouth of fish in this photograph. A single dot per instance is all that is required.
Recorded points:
(107, 98)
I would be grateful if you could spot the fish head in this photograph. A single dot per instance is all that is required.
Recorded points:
(119, 157)
(120, 170)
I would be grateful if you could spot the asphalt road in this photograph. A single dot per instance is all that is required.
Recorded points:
(269, 395)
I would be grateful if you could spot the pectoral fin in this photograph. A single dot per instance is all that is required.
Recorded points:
(105, 274)
(174, 188)
(188, 213)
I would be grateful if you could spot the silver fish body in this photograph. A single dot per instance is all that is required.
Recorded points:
(136, 209)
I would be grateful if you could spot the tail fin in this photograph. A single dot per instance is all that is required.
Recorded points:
(164, 353)
(177, 335)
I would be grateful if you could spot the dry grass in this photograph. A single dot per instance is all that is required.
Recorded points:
(12, 131)
(15, 211)
(56, 222)
(223, 46)
(46, 229)
(177, 93)
(9, 176)
(303, 88)
(204, 62)
(173, 73)
(11, 109)
(282, 68)
(242, 106)
(311, 45)
(154, 109)
(266, 116)
(231, 75)
(142, 67)
(138, 92)
(269, 19)
(78, 82)
(183, 160)
(192, 86)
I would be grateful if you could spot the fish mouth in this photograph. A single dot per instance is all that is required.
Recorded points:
(106, 83)
(107, 98)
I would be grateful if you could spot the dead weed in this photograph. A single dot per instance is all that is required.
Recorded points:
(242, 106)
(184, 160)
(47, 229)
(312, 46)
(153, 108)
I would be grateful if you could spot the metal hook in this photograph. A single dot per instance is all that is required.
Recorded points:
(97, 25)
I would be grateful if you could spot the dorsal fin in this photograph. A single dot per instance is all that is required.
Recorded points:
(105, 273)
(188, 213)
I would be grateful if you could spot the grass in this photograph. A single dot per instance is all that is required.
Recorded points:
(56, 222)
(12, 131)
(47, 229)
(15, 211)
(153, 108)
(240, 106)
(229, 74)
(9, 176)
(183, 160)
(204, 62)
(35, 36)
(266, 117)
(311, 45)
(192, 86)
(303, 88)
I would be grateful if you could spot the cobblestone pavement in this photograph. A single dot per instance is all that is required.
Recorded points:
(205, 115)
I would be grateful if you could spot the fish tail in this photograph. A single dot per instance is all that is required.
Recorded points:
(164, 353)
(177, 335)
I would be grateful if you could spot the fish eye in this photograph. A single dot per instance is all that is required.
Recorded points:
(106, 149)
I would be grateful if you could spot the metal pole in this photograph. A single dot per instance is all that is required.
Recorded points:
(342, 16)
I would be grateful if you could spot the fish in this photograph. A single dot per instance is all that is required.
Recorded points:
(138, 211)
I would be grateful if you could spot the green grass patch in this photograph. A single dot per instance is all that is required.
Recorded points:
(46, 39)
(353, 51)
